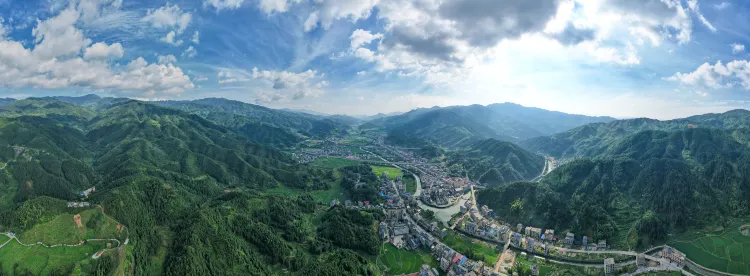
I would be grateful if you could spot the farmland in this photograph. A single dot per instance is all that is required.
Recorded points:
(727, 250)
(391, 171)
(398, 261)
(475, 250)
(333, 163)
(40, 260)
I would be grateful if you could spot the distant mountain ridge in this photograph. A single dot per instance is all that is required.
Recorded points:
(458, 126)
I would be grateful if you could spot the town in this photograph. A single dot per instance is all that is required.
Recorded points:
(406, 227)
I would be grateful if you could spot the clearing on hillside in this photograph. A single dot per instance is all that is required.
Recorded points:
(727, 251)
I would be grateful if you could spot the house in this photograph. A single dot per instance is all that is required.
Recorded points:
(78, 204)
(534, 270)
(529, 244)
(533, 232)
(443, 233)
(674, 256)
(569, 238)
(585, 241)
(445, 264)
(640, 260)
(609, 266)
(602, 245)
(334, 202)
(425, 270)
(549, 234)
(471, 227)
(519, 228)
(348, 203)
(400, 229)
(383, 231)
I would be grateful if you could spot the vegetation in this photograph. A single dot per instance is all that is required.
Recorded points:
(723, 249)
(392, 172)
(360, 182)
(495, 162)
(472, 248)
(333, 162)
(401, 261)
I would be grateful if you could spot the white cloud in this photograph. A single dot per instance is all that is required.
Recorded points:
(290, 85)
(365, 54)
(196, 38)
(226, 76)
(311, 22)
(716, 76)
(170, 39)
(223, 4)
(721, 6)
(200, 78)
(168, 17)
(271, 6)
(168, 59)
(59, 58)
(737, 48)
(190, 52)
(361, 37)
(361, 73)
(101, 50)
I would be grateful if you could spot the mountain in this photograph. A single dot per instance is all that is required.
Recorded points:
(458, 126)
(592, 139)
(274, 126)
(189, 191)
(305, 111)
(495, 162)
(635, 189)
(4, 101)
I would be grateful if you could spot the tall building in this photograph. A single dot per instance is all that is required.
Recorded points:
(609, 266)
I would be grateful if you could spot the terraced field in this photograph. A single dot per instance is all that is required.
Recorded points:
(727, 250)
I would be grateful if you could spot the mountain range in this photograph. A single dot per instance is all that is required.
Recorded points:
(458, 126)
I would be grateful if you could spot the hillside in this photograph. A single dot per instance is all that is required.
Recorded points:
(639, 188)
(592, 139)
(187, 189)
(458, 126)
(286, 127)
(495, 162)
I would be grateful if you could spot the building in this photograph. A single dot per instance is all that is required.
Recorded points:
(78, 204)
(640, 260)
(383, 231)
(529, 244)
(585, 241)
(534, 270)
(569, 238)
(519, 228)
(425, 270)
(445, 264)
(471, 227)
(533, 232)
(609, 266)
(549, 234)
(602, 245)
(674, 256)
(400, 229)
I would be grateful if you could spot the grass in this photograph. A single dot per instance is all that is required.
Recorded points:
(411, 184)
(391, 171)
(3, 239)
(401, 261)
(544, 269)
(63, 230)
(356, 150)
(333, 163)
(479, 250)
(40, 260)
(325, 196)
(727, 250)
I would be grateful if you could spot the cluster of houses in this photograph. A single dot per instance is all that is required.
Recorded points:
(307, 155)
(362, 205)
(532, 239)
(75, 204)
(478, 224)
(453, 263)
(443, 192)
(87, 192)
(673, 255)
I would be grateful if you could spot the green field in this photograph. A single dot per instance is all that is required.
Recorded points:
(63, 230)
(396, 261)
(544, 269)
(356, 150)
(325, 196)
(43, 261)
(411, 184)
(391, 171)
(333, 163)
(479, 250)
(3, 239)
(727, 251)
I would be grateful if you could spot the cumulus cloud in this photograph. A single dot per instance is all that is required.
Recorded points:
(196, 38)
(361, 37)
(170, 39)
(737, 48)
(167, 59)
(60, 57)
(168, 17)
(716, 76)
(325, 11)
(101, 50)
(291, 85)
(190, 52)
(223, 4)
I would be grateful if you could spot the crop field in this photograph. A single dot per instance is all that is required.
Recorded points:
(401, 261)
(391, 171)
(63, 229)
(333, 163)
(40, 260)
(727, 251)
(411, 184)
(481, 251)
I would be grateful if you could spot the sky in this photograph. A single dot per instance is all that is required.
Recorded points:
(661, 59)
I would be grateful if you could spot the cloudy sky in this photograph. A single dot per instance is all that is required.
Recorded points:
(624, 58)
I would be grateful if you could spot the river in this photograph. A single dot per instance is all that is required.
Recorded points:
(442, 214)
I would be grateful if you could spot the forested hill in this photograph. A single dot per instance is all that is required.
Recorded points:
(591, 139)
(295, 123)
(635, 188)
(186, 188)
(495, 162)
(459, 126)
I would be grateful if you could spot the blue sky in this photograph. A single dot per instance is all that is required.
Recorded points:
(625, 58)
